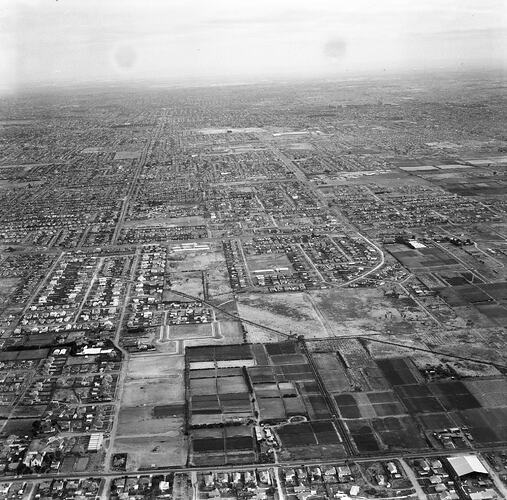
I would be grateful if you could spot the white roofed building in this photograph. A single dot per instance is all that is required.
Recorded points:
(466, 464)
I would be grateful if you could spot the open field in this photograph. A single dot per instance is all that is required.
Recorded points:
(165, 222)
(156, 451)
(190, 261)
(230, 331)
(127, 155)
(287, 312)
(218, 281)
(7, 285)
(323, 313)
(145, 367)
(153, 391)
(144, 421)
(212, 262)
(189, 282)
(150, 425)
(476, 350)
(351, 310)
(270, 261)
(188, 332)
(212, 131)
(154, 380)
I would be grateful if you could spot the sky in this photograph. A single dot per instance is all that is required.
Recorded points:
(81, 41)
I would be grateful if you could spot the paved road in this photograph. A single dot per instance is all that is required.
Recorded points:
(224, 468)
(415, 483)
(376, 268)
(124, 366)
(42, 284)
(134, 187)
(494, 476)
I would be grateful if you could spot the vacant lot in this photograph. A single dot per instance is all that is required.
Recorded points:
(155, 366)
(142, 421)
(7, 286)
(218, 281)
(213, 262)
(322, 313)
(268, 261)
(159, 451)
(150, 425)
(357, 311)
(154, 380)
(187, 332)
(287, 312)
(167, 222)
(153, 391)
(231, 331)
(189, 282)
(191, 261)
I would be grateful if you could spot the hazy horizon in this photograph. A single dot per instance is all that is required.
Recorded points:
(120, 41)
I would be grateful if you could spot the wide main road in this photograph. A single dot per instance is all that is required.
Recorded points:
(229, 468)
(134, 184)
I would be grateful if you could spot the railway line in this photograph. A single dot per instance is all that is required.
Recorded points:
(369, 337)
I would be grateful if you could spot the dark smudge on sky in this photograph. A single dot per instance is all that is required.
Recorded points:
(125, 56)
(335, 48)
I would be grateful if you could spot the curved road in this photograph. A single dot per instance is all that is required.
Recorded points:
(376, 268)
